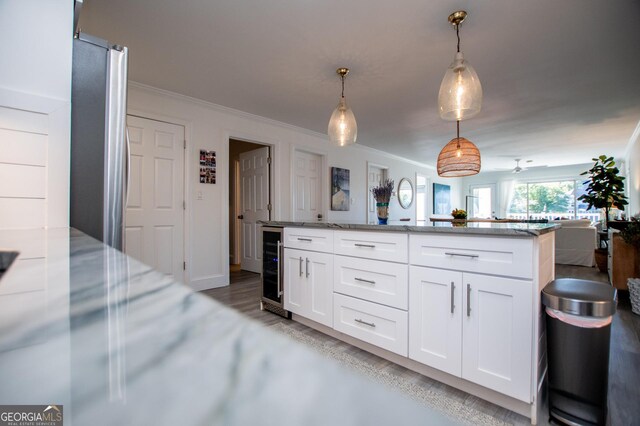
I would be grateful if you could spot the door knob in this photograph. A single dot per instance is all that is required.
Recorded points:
(241, 217)
(319, 216)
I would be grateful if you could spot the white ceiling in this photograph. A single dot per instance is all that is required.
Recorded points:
(561, 78)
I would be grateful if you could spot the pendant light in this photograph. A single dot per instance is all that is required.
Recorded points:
(342, 129)
(460, 157)
(460, 95)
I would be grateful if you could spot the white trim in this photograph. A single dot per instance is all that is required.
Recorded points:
(261, 119)
(209, 282)
(273, 194)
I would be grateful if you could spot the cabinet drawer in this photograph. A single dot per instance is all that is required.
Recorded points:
(387, 246)
(497, 256)
(309, 239)
(376, 324)
(372, 280)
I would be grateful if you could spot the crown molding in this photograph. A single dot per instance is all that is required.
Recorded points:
(269, 121)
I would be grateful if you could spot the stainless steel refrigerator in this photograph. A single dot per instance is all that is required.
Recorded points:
(99, 149)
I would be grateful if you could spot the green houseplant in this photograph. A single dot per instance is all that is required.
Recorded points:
(605, 187)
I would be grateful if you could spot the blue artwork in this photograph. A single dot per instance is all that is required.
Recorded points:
(441, 199)
(339, 189)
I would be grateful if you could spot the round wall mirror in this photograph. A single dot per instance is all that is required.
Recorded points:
(405, 193)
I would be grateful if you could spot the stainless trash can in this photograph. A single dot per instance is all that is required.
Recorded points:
(579, 314)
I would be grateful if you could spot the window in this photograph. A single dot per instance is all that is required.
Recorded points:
(550, 200)
(480, 203)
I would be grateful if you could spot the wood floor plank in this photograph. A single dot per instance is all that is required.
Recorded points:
(624, 375)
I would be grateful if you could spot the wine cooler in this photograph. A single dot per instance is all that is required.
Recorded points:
(272, 272)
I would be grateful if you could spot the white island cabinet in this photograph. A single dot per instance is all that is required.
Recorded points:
(308, 277)
(460, 306)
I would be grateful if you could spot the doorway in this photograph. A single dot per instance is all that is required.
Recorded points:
(154, 214)
(376, 173)
(249, 202)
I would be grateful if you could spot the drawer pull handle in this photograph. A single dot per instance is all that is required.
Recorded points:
(305, 239)
(365, 245)
(468, 300)
(370, 324)
(453, 287)
(364, 281)
(300, 266)
(473, 256)
(307, 267)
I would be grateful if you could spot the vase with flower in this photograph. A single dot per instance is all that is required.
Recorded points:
(382, 195)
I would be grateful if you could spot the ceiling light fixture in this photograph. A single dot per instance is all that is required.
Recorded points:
(460, 157)
(460, 98)
(343, 129)
(460, 95)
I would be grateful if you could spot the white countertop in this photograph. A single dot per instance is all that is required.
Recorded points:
(115, 342)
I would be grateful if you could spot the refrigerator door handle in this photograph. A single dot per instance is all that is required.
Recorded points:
(127, 159)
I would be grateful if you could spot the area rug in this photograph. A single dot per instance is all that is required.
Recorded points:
(433, 398)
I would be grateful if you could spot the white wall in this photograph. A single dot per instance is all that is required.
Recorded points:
(35, 112)
(210, 126)
(632, 164)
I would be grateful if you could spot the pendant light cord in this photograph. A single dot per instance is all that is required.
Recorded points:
(458, 134)
(342, 78)
(458, 35)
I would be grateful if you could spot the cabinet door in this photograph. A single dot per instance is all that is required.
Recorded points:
(294, 281)
(497, 333)
(319, 287)
(435, 318)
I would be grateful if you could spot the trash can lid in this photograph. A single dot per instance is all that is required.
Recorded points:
(580, 297)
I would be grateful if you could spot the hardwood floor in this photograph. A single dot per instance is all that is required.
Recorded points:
(624, 368)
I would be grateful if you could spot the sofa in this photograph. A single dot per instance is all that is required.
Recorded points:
(576, 241)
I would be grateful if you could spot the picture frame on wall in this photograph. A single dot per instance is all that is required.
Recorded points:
(340, 189)
(207, 167)
(441, 199)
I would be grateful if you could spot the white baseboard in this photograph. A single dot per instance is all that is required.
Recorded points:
(207, 283)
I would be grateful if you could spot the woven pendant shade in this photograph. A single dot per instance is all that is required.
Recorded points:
(460, 157)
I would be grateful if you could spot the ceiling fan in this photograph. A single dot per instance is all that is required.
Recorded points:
(518, 169)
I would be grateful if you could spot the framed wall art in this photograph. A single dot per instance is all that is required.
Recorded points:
(441, 199)
(339, 189)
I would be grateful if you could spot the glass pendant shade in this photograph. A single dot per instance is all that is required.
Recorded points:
(342, 129)
(460, 157)
(460, 95)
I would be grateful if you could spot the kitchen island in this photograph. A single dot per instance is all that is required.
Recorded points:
(116, 343)
(460, 304)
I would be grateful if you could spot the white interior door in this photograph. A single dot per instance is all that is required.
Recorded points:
(154, 216)
(254, 189)
(307, 186)
(375, 175)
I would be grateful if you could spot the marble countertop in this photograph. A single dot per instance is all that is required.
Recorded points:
(115, 342)
(474, 228)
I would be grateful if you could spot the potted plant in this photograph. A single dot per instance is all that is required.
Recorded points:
(631, 235)
(605, 189)
(382, 194)
(459, 217)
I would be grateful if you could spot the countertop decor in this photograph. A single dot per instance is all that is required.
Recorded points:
(114, 342)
